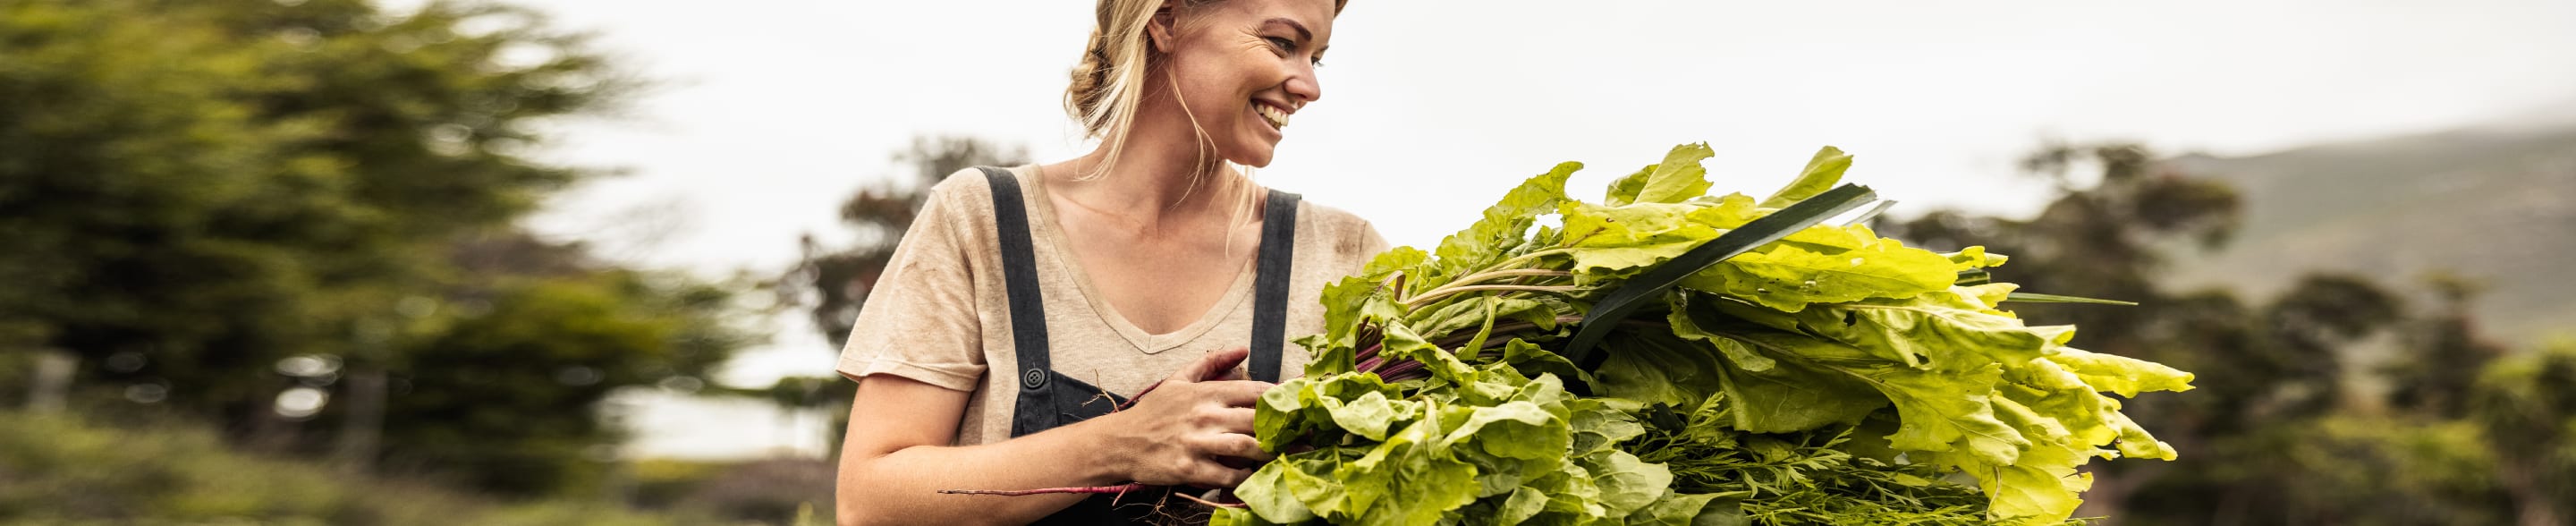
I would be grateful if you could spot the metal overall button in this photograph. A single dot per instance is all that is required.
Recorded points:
(1033, 378)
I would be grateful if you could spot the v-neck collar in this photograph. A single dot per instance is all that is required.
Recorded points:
(1045, 225)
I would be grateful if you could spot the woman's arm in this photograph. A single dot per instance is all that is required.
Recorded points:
(896, 458)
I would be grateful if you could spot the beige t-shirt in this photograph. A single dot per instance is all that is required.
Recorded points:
(940, 313)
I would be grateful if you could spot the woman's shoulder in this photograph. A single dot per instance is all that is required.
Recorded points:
(966, 196)
(1353, 237)
(967, 185)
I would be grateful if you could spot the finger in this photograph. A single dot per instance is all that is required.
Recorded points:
(1212, 365)
(1233, 445)
(1223, 363)
(1209, 474)
(1234, 420)
(1237, 393)
(1237, 373)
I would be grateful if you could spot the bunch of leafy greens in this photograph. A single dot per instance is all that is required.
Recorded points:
(1832, 377)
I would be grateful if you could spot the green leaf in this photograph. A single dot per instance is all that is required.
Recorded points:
(1651, 285)
(1947, 331)
(1948, 412)
(2120, 374)
(1596, 427)
(1679, 509)
(1821, 174)
(1516, 429)
(1368, 416)
(1265, 494)
(1624, 191)
(1523, 504)
(1503, 225)
(1684, 325)
(1627, 484)
(1607, 238)
(1658, 368)
(1775, 396)
(1411, 478)
(2041, 490)
(1278, 417)
(1788, 277)
(1388, 262)
(1679, 177)
(1316, 480)
(1975, 258)
(1796, 396)
(1454, 315)
(1531, 360)
(1349, 304)
(2067, 385)
(1399, 342)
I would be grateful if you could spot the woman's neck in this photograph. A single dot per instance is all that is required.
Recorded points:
(1162, 175)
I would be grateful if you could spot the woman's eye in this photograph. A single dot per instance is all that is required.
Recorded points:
(1287, 47)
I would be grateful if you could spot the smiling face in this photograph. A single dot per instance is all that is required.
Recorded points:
(1242, 68)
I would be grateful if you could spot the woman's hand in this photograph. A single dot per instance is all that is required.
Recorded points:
(1179, 431)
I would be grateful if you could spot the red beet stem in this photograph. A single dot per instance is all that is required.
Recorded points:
(1120, 489)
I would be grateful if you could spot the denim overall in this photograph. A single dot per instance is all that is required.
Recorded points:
(1049, 399)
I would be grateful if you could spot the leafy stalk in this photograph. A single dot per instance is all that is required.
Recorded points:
(1754, 366)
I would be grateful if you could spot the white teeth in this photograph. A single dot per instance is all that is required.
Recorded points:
(1277, 118)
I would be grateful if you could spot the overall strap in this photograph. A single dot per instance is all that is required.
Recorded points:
(1270, 285)
(1034, 410)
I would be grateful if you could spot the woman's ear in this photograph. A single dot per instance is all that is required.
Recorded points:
(1159, 29)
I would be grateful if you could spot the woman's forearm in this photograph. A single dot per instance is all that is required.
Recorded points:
(903, 486)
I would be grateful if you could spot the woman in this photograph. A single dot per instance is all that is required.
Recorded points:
(1024, 300)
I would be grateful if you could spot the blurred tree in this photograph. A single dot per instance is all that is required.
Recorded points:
(832, 281)
(2278, 430)
(2527, 407)
(769, 491)
(2257, 366)
(290, 215)
(2436, 372)
(2101, 238)
(196, 190)
(61, 471)
(499, 380)
(2257, 425)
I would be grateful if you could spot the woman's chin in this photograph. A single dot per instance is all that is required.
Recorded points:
(1254, 155)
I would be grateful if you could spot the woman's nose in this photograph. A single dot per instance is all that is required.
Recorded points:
(1304, 87)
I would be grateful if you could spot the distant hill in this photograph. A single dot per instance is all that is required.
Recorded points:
(2496, 204)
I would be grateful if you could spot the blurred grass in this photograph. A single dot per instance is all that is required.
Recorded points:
(61, 470)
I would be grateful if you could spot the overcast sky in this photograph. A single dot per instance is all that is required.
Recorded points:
(771, 111)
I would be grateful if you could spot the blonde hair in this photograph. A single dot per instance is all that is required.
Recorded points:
(1110, 82)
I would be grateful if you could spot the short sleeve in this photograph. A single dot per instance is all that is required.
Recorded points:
(1371, 243)
(1360, 243)
(920, 322)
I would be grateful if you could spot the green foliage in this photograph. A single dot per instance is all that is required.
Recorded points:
(2283, 428)
(501, 394)
(767, 491)
(1833, 377)
(59, 470)
(2527, 407)
(199, 193)
(217, 185)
